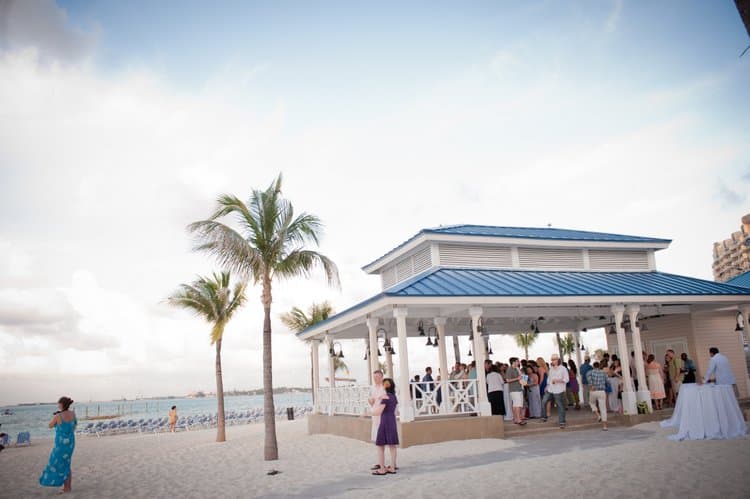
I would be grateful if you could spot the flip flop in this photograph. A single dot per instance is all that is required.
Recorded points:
(375, 468)
(391, 471)
(377, 473)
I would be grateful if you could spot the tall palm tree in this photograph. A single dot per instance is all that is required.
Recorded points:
(216, 301)
(270, 243)
(456, 349)
(525, 340)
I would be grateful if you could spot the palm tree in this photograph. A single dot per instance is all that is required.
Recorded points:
(567, 345)
(297, 320)
(269, 244)
(525, 340)
(456, 349)
(213, 299)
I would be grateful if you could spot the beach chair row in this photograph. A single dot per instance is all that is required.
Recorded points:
(23, 438)
(186, 423)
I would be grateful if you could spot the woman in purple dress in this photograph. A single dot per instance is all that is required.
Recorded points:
(387, 431)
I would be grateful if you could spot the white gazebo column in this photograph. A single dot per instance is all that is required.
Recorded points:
(331, 377)
(629, 406)
(577, 340)
(314, 353)
(480, 355)
(367, 361)
(443, 359)
(404, 395)
(643, 394)
(372, 330)
(388, 362)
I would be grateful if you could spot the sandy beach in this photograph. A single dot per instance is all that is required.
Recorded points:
(625, 462)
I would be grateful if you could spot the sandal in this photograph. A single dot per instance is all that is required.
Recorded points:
(380, 473)
(391, 471)
(375, 468)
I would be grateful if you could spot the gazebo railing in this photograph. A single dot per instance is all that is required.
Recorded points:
(427, 397)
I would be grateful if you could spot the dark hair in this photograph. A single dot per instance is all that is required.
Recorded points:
(512, 360)
(174, 407)
(650, 358)
(713, 350)
(389, 385)
(66, 402)
(428, 368)
(596, 365)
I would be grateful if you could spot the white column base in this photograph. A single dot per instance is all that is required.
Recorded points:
(485, 409)
(406, 413)
(629, 404)
(645, 396)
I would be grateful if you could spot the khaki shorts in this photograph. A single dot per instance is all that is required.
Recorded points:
(516, 399)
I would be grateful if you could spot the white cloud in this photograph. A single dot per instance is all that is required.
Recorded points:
(101, 173)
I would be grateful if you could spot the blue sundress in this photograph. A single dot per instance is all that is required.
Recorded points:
(58, 469)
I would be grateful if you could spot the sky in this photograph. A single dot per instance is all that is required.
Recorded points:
(122, 122)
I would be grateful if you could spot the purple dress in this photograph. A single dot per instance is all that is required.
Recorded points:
(387, 431)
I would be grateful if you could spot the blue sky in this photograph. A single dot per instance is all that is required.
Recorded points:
(122, 122)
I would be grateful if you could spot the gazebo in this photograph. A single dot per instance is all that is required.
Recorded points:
(479, 281)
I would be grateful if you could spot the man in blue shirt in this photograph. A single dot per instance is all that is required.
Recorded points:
(585, 368)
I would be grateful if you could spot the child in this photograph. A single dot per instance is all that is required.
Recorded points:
(387, 431)
(172, 418)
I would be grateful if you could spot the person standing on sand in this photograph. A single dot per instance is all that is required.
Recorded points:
(173, 418)
(388, 430)
(720, 370)
(58, 470)
(376, 391)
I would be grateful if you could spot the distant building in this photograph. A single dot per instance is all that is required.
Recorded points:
(732, 256)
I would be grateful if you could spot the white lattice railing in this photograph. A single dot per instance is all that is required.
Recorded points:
(350, 400)
(427, 398)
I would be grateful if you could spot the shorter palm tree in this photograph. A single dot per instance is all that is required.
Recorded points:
(214, 300)
(567, 345)
(525, 340)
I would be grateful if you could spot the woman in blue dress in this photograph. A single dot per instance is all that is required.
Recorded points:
(387, 431)
(58, 472)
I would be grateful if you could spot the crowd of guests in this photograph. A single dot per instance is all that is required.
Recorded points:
(528, 389)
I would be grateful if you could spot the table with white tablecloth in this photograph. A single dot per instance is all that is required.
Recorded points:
(706, 412)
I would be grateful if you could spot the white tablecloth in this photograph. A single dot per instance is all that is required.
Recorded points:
(706, 412)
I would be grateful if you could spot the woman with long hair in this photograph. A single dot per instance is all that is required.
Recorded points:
(58, 472)
(573, 384)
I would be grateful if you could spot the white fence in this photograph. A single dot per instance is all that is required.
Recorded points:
(351, 400)
(426, 398)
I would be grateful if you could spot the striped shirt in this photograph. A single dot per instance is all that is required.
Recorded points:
(597, 380)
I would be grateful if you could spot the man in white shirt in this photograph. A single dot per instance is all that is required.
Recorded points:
(719, 368)
(557, 381)
(376, 392)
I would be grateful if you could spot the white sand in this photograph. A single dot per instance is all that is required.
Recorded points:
(634, 462)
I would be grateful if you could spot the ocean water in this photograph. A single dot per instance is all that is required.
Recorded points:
(35, 418)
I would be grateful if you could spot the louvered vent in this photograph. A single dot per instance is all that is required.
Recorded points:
(404, 269)
(550, 258)
(456, 255)
(618, 260)
(389, 277)
(422, 260)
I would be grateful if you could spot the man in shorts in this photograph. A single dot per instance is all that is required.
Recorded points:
(513, 379)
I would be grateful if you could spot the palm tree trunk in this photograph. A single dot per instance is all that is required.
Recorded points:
(526, 351)
(270, 448)
(456, 349)
(559, 346)
(220, 428)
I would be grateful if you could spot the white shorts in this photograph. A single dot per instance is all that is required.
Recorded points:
(516, 399)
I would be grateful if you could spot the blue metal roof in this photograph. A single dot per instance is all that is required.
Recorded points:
(741, 280)
(547, 233)
(480, 282)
